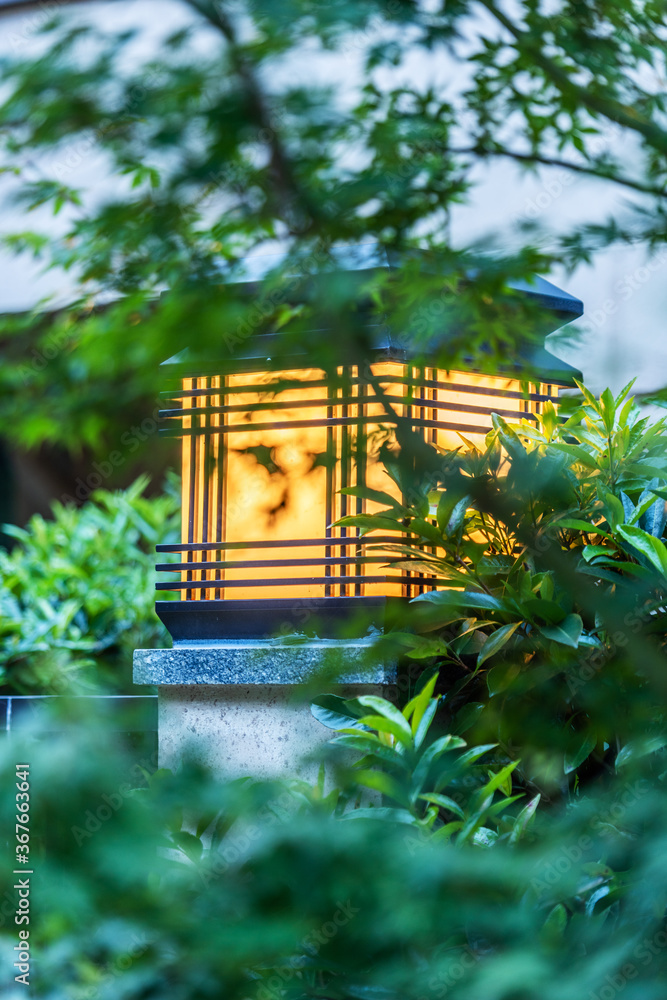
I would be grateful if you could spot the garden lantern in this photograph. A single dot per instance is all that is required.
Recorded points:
(265, 455)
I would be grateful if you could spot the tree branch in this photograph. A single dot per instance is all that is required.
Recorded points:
(553, 161)
(609, 107)
(280, 161)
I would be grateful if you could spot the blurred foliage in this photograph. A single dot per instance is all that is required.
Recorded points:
(431, 786)
(77, 592)
(218, 151)
(179, 886)
(548, 630)
(552, 566)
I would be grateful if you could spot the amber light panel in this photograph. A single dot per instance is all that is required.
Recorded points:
(266, 455)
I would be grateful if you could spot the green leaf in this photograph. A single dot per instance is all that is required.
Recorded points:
(383, 783)
(445, 832)
(445, 802)
(549, 611)
(381, 724)
(577, 454)
(372, 749)
(385, 710)
(498, 780)
(448, 503)
(554, 926)
(461, 599)
(189, 844)
(470, 756)
(499, 807)
(566, 632)
(624, 392)
(579, 751)
(615, 510)
(383, 814)
(639, 748)
(425, 722)
(366, 493)
(651, 548)
(510, 439)
(500, 677)
(445, 744)
(371, 522)
(468, 716)
(451, 512)
(590, 552)
(417, 705)
(608, 410)
(419, 526)
(496, 641)
(335, 712)
(522, 821)
(576, 524)
(588, 396)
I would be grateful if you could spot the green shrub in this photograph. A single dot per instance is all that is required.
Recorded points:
(433, 785)
(77, 592)
(552, 572)
(272, 895)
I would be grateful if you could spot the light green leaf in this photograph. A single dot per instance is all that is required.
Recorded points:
(555, 924)
(638, 749)
(365, 493)
(386, 710)
(523, 819)
(384, 783)
(417, 705)
(653, 549)
(382, 724)
(445, 802)
(498, 780)
(382, 814)
(425, 722)
(608, 410)
(370, 522)
(590, 552)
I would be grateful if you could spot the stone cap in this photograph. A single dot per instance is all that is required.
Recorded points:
(263, 661)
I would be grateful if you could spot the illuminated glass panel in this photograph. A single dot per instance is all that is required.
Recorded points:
(266, 455)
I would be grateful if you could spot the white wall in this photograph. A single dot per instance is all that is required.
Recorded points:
(625, 293)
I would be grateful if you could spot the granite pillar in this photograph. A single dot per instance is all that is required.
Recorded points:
(236, 705)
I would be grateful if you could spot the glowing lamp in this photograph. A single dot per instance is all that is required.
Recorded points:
(265, 455)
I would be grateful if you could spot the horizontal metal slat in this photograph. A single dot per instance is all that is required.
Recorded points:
(334, 541)
(312, 404)
(407, 380)
(270, 563)
(284, 425)
(300, 581)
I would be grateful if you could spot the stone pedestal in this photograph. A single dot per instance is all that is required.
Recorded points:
(237, 706)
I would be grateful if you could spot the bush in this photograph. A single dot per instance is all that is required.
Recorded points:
(78, 593)
(277, 890)
(422, 867)
(552, 572)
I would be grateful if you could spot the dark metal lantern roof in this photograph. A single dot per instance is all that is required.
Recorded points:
(559, 307)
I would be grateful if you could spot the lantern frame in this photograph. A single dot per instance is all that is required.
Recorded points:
(352, 611)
